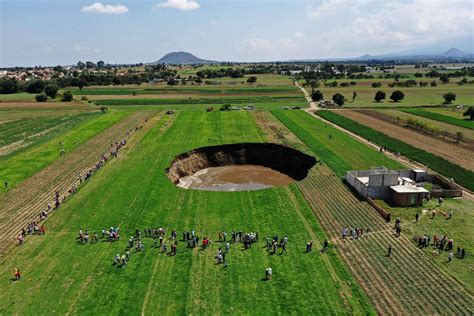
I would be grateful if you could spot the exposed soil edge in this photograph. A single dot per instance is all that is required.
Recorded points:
(289, 161)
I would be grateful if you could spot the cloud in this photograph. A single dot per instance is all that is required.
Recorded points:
(185, 5)
(258, 44)
(82, 48)
(299, 35)
(287, 43)
(98, 7)
(212, 22)
(376, 27)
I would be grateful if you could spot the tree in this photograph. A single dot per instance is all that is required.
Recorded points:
(100, 64)
(317, 95)
(397, 95)
(252, 80)
(8, 86)
(35, 86)
(444, 78)
(80, 64)
(376, 84)
(470, 112)
(449, 97)
(41, 98)
(82, 83)
(67, 96)
(338, 99)
(198, 80)
(433, 83)
(354, 95)
(51, 90)
(379, 96)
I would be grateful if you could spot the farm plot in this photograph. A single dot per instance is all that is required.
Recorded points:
(460, 175)
(414, 97)
(462, 221)
(336, 149)
(395, 284)
(27, 161)
(441, 126)
(457, 154)
(258, 101)
(189, 282)
(442, 118)
(28, 130)
(22, 204)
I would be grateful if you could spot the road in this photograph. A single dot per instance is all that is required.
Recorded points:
(313, 107)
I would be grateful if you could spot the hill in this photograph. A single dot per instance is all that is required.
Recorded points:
(180, 58)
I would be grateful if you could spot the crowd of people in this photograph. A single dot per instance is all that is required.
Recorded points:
(58, 198)
(353, 232)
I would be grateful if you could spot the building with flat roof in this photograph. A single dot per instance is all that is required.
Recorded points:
(401, 186)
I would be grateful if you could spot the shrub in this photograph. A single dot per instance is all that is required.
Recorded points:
(67, 96)
(41, 98)
(51, 90)
(376, 84)
(317, 95)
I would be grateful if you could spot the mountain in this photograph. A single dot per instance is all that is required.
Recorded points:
(181, 58)
(453, 52)
(365, 57)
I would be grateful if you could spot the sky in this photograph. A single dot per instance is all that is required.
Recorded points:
(62, 32)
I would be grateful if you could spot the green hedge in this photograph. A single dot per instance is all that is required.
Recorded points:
(462, 176)
(442, 118)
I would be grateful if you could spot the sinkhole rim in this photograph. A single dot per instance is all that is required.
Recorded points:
(284, 159)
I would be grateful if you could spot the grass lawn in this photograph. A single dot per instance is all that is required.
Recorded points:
(135, 193)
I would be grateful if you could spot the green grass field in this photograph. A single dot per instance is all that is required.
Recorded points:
(25, 162)
(414, 97)
(82, 279)
(455, 228)
(460, 175)
(62, 276)
(442, 118)
(341, 153)
(30, 128)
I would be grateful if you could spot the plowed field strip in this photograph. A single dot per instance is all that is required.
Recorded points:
(22, 204)
(457, 154)
(396, 285)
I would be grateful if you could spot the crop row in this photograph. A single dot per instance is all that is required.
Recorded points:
(198, 90)
(441, 118)
(18, 130)
(224, 100)
(461, 175)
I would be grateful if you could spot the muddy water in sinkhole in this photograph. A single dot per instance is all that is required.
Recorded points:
(235, 178)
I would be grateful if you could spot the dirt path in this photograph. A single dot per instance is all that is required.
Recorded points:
(456, 154)
(22, 204)
(402, 159)
(396, 285)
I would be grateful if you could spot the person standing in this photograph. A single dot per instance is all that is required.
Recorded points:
(450, 256)
(416, 217)
(17, 274)
(389, 251)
